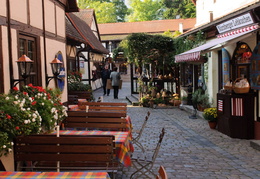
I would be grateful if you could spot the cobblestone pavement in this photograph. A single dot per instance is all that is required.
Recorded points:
(190, 149)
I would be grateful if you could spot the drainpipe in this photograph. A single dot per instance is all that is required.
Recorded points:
(44, 40)
(10, 43)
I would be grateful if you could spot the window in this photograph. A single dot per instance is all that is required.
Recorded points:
(27, 46)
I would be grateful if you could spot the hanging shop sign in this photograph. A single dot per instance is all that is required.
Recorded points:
(225, 66)
(235, 23)
(61, 76)
(255, 68)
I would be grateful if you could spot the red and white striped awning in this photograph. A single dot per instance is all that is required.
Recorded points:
(238, 31)
(194, 55)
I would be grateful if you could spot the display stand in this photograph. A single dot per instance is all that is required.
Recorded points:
(236, 115)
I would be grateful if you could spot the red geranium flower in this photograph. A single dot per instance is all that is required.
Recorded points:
(15, 88)
(8, 116)
(17, 127)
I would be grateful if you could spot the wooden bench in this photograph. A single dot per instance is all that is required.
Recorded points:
(74, 96)
(104, 106)
(96, 120)
(74, 152)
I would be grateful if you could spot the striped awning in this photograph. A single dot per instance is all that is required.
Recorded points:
(194, 55)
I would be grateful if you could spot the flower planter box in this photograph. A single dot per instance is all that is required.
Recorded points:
(82, 94)
(8, 161)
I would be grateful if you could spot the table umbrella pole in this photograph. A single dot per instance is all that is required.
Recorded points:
(58, 135)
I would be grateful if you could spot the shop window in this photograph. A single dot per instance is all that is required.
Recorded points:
(28, 46)
(187, 74)
(241, 61)
(72, 64)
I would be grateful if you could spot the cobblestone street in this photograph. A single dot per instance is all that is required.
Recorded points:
(190, 149)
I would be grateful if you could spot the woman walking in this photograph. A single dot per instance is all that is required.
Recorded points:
(115, 79)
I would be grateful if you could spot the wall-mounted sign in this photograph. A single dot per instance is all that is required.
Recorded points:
(61, 77)
(235, 23)
(255, 68)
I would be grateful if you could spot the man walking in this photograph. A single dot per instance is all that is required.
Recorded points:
(115, 79)
(105, 74)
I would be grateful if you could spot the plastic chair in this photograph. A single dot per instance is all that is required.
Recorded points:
(135, 140)
(162, 173)
(144, 165)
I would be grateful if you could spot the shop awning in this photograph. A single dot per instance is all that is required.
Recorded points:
(194, 55)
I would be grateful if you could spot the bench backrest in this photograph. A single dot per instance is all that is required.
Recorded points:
(72, 151)
(104, 106)
(96, 120)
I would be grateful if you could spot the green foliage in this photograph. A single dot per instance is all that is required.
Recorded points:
(79, 86)
(144, 10)
(183, 44)
(75, 82)
(140, 48)
(121, 10)
(199, 97)
(183, 8)
(106, 11)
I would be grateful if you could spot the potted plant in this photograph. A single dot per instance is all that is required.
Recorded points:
(77, 87)
(200, 99)
(210, 114)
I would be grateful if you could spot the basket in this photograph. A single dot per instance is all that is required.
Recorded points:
(240, 90)
(228, 88)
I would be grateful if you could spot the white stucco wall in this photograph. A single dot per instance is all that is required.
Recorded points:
(3, 8)
(219, 8)
(212, 83)
(5, 60)
(49, 16)
(52, 48)
(60, 21)
(36, 10)
(18, 10)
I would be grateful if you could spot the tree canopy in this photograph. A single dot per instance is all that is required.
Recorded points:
(182, 8)
(144, 10)
(108, 11)
(143, 48)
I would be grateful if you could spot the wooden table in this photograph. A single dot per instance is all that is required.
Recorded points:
(123, 140)
(56, 175)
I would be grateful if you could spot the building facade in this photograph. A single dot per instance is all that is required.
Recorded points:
(37, 29)
(232, 33)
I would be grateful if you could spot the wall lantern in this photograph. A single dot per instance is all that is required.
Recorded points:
(55, 67)
(24, 66)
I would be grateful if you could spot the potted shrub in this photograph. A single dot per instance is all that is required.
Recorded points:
(77, 87)
(200, 100)
(210, 114)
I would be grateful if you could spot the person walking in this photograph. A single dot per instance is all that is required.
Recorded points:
(115, 79)
(105, 74)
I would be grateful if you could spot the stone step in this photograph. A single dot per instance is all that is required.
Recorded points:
(133, 100)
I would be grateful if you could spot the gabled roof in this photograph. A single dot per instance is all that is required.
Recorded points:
(85, 32)
(86, 15)
(72, 33)
(156, 26)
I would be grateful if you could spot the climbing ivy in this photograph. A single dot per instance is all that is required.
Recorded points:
(183, 44)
